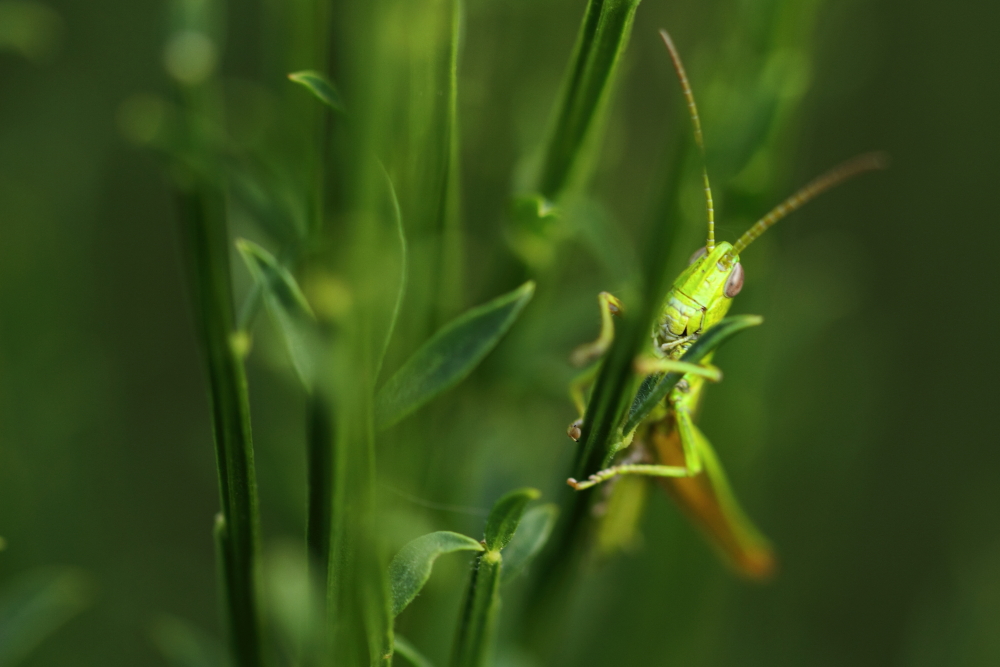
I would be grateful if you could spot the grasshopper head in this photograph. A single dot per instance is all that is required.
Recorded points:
(698, 299)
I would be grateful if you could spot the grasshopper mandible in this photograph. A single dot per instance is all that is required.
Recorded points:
(698, 299)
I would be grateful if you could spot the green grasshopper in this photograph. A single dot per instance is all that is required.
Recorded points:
(699, 298)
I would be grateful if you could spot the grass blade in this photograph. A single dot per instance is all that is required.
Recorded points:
(449, 356)
(404, 648)
(403, 273)
(286, 304)
(324, 90)
(411, 568)
(600, 43)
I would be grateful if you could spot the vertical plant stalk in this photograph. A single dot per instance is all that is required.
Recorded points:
(609, 403)
(602, 38)
(237, 532)
(450, 277)
(480, 611)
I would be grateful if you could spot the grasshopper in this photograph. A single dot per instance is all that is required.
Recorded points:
(668, 444)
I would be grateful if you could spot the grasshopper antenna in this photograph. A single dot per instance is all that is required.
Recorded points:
(836, 176)
(698, 138)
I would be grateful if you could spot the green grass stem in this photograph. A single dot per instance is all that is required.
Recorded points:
(479, 612)
(600, 43)
(207, 246)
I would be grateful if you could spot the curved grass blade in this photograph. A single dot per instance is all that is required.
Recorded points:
(647, 398)
(287, 305)
(535, 529)
(506, 516)
(35, 605)
(321, 87)
(411, 568)
(403, 271)
(449, 356)
(412, 655)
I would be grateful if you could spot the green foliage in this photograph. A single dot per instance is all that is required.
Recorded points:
(449, 356)
(287, 305)
(506, 516)
(603, 36)
(481, 609)
(464, 120)
(407, 650)
(324, 90)
(411, 568)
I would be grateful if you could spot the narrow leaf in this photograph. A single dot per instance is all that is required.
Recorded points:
(35, 605)
(411, 568)
(505, 517)
(403, 270)
(286, 304)
(449, 356)
(600, 44)
(534, 531)
(412, 655)
(321, 87)
(649, 395)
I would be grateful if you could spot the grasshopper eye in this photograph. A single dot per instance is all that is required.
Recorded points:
(698, 254)
(735, 281)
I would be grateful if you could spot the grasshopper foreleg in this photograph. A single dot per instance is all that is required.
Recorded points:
(588, 352)
(648, 364)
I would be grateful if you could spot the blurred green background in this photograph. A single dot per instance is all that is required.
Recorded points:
(857, 423)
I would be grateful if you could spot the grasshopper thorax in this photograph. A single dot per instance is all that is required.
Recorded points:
(698, 299)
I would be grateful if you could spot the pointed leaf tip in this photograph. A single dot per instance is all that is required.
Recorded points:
(449, 356)
(411, 568)
(506, 516)
(321, 87)
(286, 303)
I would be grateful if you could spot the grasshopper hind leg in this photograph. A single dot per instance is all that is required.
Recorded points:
(681, 407)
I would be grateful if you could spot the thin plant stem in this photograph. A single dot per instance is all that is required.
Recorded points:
(238, 532)
(602, 39)
(479, 614)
